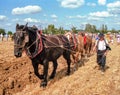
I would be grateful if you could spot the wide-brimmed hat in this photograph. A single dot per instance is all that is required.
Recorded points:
(101, 35)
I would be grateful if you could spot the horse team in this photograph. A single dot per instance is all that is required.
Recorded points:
(81, 44)
(42, 49)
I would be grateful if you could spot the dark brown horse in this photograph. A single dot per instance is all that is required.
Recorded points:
(77, 46)
(41, 49)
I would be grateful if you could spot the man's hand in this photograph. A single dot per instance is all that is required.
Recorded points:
(105, 52)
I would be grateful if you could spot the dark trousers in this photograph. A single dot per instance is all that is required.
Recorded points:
(101, 58)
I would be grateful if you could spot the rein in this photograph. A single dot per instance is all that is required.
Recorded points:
(55, 45)
(41, 45)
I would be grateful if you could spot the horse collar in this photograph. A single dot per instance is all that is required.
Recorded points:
(38, 49)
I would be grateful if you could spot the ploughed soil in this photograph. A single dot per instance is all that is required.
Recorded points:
(17, 76)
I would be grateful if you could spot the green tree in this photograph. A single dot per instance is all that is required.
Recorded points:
(61, 30)
(113, 30)
(88, 28)
(118, 30)
(9, 33)
(2, 31)
(45, 31)
(104, 28)
(93, 28)
(74, 30)
(51, 29)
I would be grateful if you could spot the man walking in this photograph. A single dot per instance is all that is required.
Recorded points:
(101, 47)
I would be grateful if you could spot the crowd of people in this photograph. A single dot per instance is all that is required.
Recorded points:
(5, 37)
(110, 37)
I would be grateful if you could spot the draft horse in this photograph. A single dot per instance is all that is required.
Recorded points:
(41, 49)
(77, 46)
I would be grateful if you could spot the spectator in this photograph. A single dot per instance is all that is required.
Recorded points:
(1, 36)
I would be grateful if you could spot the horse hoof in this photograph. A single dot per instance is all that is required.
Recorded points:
(67, 74)
(43, 84)
(75, 69)
(51, 77)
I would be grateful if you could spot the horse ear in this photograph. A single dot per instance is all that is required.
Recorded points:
(17, 25)
(25, 26)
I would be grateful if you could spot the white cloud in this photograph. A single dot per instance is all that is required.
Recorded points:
(53, 16)
(91, 4)
(100, 14)
(31, 20)
(3, 18)
(77, 16)
(118, 23)
(115, 4)
(26, 10)
(101, 2)
(94, 18)
(71, 3)
(114, 7)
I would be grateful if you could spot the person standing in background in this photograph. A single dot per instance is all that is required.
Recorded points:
(6, 36)
(118, 38)
(1, 36)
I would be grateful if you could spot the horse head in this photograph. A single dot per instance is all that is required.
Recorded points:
(21, 38)
(69, 35)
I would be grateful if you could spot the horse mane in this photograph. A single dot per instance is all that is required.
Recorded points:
(32, 33)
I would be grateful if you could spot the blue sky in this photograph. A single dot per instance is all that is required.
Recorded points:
(64, 13)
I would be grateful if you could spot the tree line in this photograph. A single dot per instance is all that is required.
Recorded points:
(88, 28)
(51, 29)
(2, 31)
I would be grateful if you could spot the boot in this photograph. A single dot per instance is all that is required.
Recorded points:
(102, 68)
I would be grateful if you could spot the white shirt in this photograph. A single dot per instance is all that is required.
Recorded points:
(101, 44)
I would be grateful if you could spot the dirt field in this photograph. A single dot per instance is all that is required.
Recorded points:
(17, 77)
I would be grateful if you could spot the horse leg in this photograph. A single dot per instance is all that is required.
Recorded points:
(82, 57)
(45, 73)
(66, 55)
(90, 49)
(86, 51)
(73, 56)
(55, 64)
(76, 60)
(35, 66)
(77, 57)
